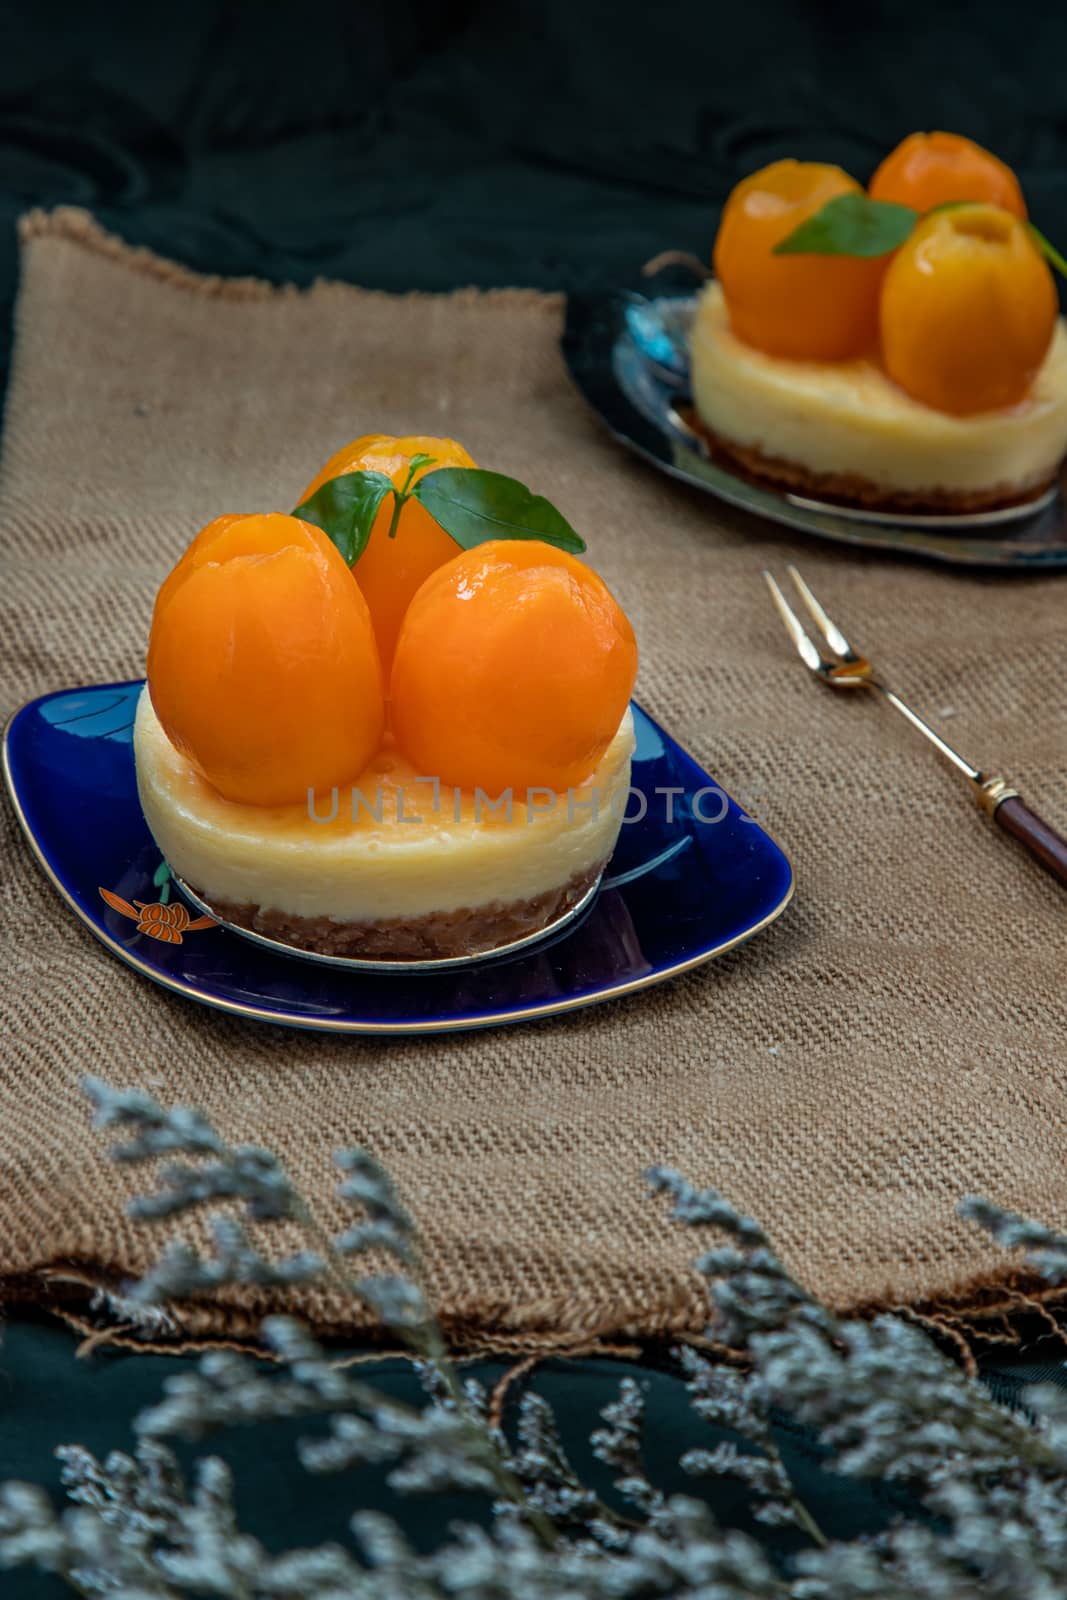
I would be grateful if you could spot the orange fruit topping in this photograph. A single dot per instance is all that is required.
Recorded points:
(262, 665)
(257, 535)
(968, 310)
(513, 670)
(809, 307)
(928, 169)
(390, 570)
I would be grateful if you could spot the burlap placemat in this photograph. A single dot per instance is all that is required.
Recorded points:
(896, 1041)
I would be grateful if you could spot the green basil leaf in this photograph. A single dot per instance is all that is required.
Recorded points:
(851, 225)
(1048, 250)
(475, 506)
(345, 509)
(420, 460)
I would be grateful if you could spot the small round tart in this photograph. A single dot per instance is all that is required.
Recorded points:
(394, 867)
(844, 431)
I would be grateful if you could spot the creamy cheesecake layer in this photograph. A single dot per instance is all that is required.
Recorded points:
(847, 420)
(353, 867)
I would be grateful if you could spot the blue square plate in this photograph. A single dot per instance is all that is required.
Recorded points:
(691, 878)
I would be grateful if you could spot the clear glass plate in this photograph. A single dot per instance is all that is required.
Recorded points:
(627, 354)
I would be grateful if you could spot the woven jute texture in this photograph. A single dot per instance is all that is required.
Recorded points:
(894, 1042)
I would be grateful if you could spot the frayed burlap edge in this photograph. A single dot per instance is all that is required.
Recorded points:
(1012, 1311)
(544, 1327)
(79, 227)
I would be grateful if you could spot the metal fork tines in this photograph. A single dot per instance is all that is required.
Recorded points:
(837, 664)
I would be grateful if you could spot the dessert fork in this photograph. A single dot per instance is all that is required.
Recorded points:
(836, 663)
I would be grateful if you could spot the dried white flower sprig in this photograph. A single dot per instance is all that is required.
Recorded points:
(985, 1516)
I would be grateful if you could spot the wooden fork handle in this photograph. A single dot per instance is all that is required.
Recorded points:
(1016, 818)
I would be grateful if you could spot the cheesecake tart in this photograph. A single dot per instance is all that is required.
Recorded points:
(844, 431)
(898, 349)
(433, 770)
(387, 868)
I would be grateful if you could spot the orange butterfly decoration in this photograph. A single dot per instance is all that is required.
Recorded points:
(158, 921)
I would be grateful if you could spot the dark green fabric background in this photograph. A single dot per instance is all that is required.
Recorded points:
(48, 1397)
(557, 143)
(411, 145)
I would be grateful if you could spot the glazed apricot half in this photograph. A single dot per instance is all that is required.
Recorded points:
(234, 534)
(262, 664)
(931, 169)
(513, 670)
(391, 569)
(808, 307)
(968, 311)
